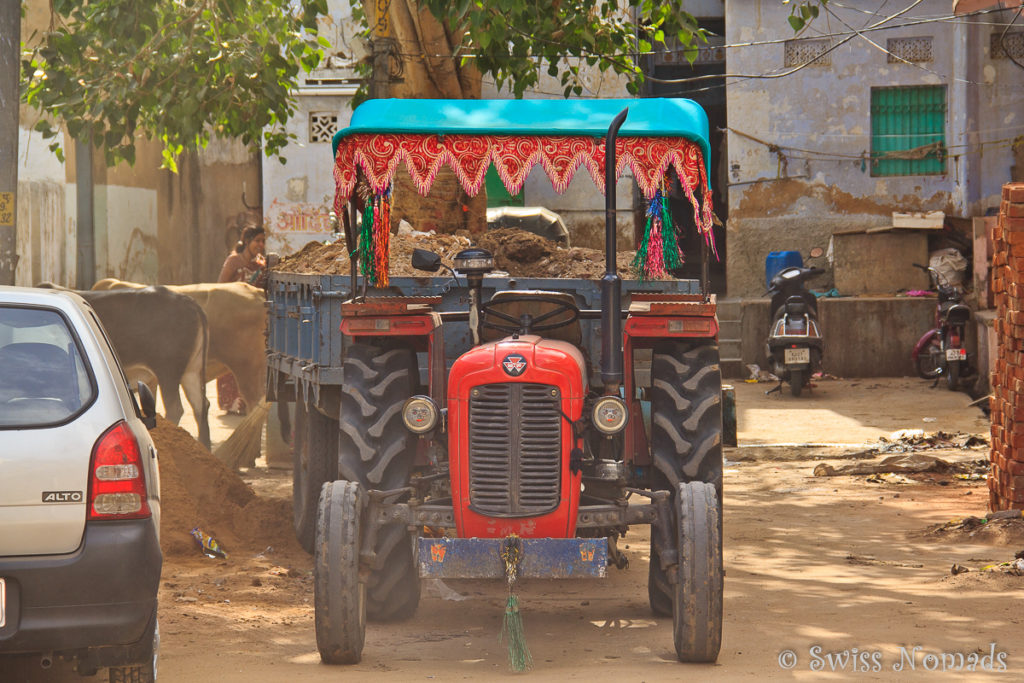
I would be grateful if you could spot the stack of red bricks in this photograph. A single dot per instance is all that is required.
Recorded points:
(1006, 481)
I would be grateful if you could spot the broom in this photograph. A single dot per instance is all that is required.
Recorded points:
(244, 445)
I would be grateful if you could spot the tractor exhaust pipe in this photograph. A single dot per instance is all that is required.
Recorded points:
(611, 284)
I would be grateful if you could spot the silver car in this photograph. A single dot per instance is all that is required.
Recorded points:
(79, 494)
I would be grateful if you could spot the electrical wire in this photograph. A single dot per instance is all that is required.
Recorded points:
(893, 54)
(947, 18)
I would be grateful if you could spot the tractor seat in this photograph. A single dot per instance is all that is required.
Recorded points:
(570, 333)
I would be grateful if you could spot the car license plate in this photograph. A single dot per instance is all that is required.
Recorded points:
(796, 356)
(956, 354)
(3, 598)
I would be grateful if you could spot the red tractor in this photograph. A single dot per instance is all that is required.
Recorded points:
(519, 456)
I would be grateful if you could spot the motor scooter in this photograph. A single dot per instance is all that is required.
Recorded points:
(940, 351)
(794, 344)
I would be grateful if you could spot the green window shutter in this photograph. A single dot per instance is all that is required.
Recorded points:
(905, 119)
(497, 195)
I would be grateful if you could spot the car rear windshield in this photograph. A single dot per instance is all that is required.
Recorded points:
(43, 379)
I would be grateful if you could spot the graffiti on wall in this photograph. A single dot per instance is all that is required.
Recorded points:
(292, 218)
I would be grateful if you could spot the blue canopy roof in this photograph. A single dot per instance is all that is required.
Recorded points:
(648, 117)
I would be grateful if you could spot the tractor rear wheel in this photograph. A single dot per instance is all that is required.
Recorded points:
(339, 595)
(376, 450)
(697, 598)
(686, 437)
(314, 462)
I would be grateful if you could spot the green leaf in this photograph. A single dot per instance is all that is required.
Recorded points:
(796, 22)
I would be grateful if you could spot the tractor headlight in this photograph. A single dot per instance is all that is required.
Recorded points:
(420, 414)
(610, 415)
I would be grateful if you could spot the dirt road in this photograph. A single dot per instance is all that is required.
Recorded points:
(836, 563)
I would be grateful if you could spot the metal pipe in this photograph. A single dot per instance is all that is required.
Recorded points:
(85, 252)
(611, 284)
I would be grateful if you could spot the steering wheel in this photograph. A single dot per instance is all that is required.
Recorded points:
(563, 313)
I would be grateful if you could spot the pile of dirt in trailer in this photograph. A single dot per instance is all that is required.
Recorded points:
(197, 490)
(517, 252)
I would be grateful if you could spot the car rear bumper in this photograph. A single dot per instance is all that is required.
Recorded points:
(103, 594)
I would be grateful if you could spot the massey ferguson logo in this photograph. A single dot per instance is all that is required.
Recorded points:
(514, 364)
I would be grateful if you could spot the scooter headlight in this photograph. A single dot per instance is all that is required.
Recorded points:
(420, 414)
(610, 415)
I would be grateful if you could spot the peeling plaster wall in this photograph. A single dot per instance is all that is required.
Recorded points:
(298, 196)
(792, 200)
(126, 233)
(45, 239)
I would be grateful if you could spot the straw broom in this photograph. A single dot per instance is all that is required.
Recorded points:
(243, 446)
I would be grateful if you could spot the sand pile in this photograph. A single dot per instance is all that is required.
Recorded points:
(519, 253)
(332, 259)
(196, 489)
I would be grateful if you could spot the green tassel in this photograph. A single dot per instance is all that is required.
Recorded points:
(366, 241)
(668, 233)
(640, 260)
(519, 657)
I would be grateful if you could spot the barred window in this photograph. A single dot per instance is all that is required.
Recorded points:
(909, 50)
(322, 126)
(1010, 45)
(799, 52)
(908, 130)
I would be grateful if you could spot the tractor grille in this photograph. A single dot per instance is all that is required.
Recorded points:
(515, 441)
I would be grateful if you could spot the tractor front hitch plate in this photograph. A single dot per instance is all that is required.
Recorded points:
(541, 558)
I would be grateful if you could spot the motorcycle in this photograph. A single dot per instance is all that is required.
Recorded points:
(940, 351)
(794, 345)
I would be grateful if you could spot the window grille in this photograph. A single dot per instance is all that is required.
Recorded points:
(799, 52)
(909, 50)
(322, 126)
(908, 130)
(1010, 45)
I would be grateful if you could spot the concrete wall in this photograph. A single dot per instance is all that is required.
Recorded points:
(298, 196)
(46, 215)
(796, 141)
(151, 225)
(864, 336)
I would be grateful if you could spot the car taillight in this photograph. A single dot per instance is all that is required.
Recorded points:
(117, 484)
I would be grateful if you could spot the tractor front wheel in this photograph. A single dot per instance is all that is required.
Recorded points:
(339, 595)
(697, 598)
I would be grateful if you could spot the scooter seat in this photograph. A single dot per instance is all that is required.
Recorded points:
(795, 305)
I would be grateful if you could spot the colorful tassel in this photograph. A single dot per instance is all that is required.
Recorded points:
(658, 252)
(375, 240)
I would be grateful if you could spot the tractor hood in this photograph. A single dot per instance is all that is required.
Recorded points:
(529, 358)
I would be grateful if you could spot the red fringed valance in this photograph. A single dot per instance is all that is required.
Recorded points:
(378, 155)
